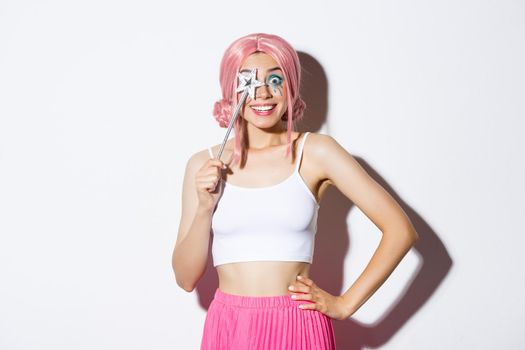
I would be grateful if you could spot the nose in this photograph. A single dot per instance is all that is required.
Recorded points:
(263, 92)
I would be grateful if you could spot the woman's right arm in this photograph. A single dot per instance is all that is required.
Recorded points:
(190, 254)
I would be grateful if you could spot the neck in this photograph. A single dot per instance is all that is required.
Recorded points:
(264, 138)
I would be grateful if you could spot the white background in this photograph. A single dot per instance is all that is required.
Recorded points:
(103, 102)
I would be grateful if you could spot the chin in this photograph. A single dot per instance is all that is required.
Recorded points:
(264, 121)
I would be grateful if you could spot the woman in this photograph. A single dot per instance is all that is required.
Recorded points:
(261, 205)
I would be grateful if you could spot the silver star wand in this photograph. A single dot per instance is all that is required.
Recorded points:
(247, 84)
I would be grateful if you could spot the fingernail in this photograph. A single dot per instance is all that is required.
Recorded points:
(290, 288)
(294, 296)
(299, 277)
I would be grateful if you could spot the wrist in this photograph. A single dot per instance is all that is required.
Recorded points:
(204, 211)
(348, 305)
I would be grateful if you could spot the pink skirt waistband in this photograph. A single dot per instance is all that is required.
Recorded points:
(257, 301)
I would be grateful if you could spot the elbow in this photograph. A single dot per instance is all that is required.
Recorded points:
(186, 273)
(412, 238)
(186, 286)
(183, 281)
(410, 233)
(409, 236)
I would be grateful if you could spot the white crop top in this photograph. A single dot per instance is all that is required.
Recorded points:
(271, 223)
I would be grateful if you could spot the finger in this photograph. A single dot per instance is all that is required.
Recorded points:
(216, 163)
(208, 183)
(308, 306)
(213, 169)
(296, 287)
(210, 179)
(210, 186)
(213, 177)
(220, 164)
(302, 296)
(305, 280)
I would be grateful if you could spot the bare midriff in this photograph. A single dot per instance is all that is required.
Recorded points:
(260, 278)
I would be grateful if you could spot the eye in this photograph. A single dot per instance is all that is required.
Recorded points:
(275, 80)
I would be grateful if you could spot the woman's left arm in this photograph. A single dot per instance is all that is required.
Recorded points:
(399, 235)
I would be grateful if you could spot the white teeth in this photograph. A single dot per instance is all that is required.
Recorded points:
(263, 108)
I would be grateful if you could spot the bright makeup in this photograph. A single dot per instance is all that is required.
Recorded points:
(275, 81)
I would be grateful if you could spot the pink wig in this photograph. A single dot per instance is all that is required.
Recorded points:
(287, 58)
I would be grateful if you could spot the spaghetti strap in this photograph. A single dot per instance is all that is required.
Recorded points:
(210, 152)
(300, 151)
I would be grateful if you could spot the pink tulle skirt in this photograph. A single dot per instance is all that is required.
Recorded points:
(237, 322)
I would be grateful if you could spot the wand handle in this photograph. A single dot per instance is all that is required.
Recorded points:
(232, 121)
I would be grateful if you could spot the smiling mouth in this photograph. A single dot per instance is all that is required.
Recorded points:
(263, 108)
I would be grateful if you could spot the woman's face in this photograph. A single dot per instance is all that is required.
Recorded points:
(270, 101)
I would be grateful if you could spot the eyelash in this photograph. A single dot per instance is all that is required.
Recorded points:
(275, 76)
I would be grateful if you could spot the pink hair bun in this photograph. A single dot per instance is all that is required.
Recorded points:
(298, 110)
(222, 111)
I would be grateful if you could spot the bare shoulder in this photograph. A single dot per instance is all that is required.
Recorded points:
(215, 149)
(320, 145)
(197, 160)
(327, 154)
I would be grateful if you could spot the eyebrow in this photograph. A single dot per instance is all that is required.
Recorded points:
(269, 70)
